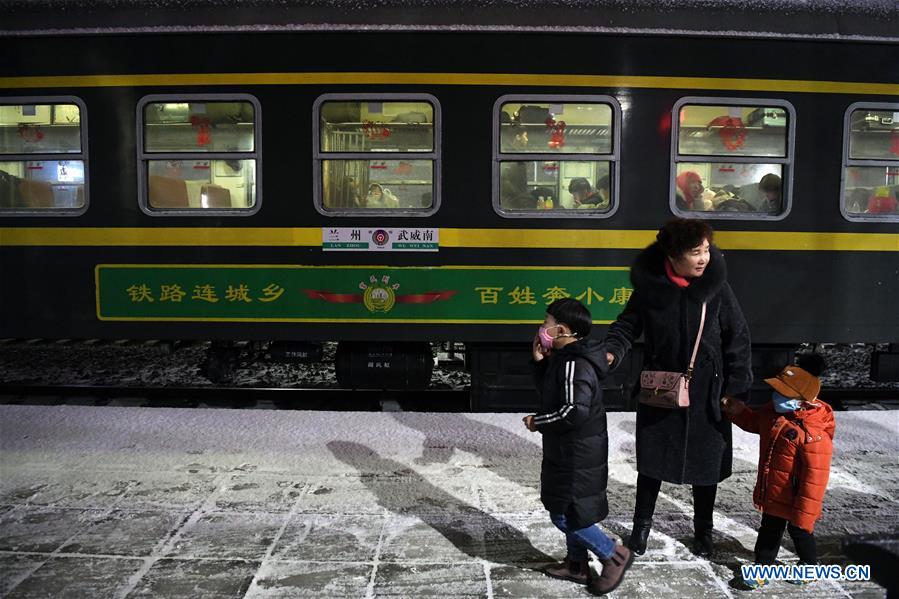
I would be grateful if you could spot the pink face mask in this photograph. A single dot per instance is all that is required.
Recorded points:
(546, 340)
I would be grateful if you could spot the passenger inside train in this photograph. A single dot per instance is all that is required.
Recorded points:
(689, 191)
(770, 189)
(380, 197)
(584, 196)
(723, 187)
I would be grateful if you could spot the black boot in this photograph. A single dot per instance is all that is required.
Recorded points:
(639, 535)
(702, 539)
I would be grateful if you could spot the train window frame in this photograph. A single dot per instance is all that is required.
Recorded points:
(850, 162)
(144, 157)
(82, 156)
(787, 161)
(614, 157)
(435, 156)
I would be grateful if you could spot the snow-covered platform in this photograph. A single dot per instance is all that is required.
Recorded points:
(154, 502)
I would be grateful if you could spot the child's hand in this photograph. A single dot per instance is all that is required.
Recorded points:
(732, 406)
(537, 349)
(529, 423)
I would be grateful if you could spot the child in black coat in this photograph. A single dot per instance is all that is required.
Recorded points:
(567, 370)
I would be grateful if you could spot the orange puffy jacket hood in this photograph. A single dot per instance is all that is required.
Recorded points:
(795, 450)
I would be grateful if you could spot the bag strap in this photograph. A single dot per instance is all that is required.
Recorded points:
(696, 345)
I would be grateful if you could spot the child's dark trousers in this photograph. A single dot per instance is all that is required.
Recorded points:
(770, 534)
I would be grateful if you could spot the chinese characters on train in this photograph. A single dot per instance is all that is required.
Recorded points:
(402, 234)
(381, 239)
(526, 296)
(204, 293)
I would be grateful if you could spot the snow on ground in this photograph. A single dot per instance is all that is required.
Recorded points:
(143, 502)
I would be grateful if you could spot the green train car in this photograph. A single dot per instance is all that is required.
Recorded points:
(433, 171)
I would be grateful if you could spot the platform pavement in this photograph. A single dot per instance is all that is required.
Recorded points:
(155, 502)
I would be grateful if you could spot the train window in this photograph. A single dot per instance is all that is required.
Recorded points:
(553, 154)
(733, 159)
(870, 182)
(43, 156)
(377, 154)
(199, 154)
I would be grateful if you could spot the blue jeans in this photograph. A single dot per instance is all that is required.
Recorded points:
(582, 539)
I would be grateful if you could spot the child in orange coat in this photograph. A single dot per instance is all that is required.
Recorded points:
(796, 443)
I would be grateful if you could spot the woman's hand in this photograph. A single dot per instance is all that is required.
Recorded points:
(537, 349)
(732, 406)
(529, 423)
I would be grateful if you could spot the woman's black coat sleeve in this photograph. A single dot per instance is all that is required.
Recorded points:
(626, 329)
(736, 348)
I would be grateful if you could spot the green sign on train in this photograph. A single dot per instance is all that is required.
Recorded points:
(445, 294)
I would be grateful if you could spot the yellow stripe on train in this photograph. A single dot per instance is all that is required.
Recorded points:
(491, 79)
(449, 238)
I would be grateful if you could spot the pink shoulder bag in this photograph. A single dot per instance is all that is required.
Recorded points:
(670, 389)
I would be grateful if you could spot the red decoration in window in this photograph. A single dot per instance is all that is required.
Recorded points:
(556, 130)
(894, 142)
(204, 130)
(375, 131)
(30, 134)
(732, 131)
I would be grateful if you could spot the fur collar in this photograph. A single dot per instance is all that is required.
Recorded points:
(651, 282)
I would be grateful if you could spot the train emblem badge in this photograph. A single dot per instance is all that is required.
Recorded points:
(380, 237)
(379, 295)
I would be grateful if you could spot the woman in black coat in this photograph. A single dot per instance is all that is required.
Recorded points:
(672, 278)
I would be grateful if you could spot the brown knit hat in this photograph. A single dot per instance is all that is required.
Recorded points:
(795, 382)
